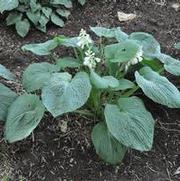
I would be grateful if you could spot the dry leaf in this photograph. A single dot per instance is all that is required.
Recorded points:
(176, 6)
(126, 17)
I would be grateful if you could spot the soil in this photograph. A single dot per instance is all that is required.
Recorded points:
(51, 155)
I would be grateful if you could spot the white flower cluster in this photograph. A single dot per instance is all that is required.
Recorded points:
(90, 60)
(138, 58)
(84, 39)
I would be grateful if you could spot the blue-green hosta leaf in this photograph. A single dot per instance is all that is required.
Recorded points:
(69, 62)
(43, 20)
(37, 74)
(109, 82)
(110, 33)
(7, 5)
(66, 3)
(177, 46)
(63, 94)
(13, 17)
(130, 123)
(122, 52)
(106, 82)
(24, 115)
(158, 88)
(66, 41)
(41, 48)
(171, 65)
(7, 97)
(63, 12)
(149, 44)
(57, 20)
(34, 16)
(34, 5)
(124, 84)
(6, 74)
(82, 2)
(23, 27)
(47, 11)
(107, 147)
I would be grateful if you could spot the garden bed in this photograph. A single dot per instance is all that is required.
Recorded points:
(50, 154)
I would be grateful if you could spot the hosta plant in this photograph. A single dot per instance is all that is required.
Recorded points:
(177, 45)
(99, 81)
(24, 13)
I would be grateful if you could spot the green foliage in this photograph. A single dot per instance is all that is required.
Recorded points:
(8, 5)
(68, 62)
(110, 33)
(158, 88)
(5, 73)
(171, 64)
(127, 50)
(95, 82)
(64, 94)
(130, 123)
(177, 45)
(36, 75)
(24, 115)
(24, 13)
(7, 97)
(151, 48)
(109, 82)
(106, 145)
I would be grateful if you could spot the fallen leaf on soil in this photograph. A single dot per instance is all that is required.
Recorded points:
(126, 17)
(176, 6)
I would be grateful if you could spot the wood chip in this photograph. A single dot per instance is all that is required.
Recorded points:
(63, 126)
(126, 17)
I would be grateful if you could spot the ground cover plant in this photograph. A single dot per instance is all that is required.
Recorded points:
(24, 13)
(106, 75)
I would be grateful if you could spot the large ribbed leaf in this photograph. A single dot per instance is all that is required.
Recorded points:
(63, 94)
(122, 52)
(171, 65)
(109, 82)
(158, 88)
(177, 45)
(150, 45)
(37, 74)
(66, 3)
(23, 117)
(57, 20)
(130, 123)
(107, 147)
(13, 17)
(66, 41)
(7, 97)
(110, 33)
(69, 62)
(5, 73)
(23, 27)
(7, 5)
(41, 48)
(106, 82)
